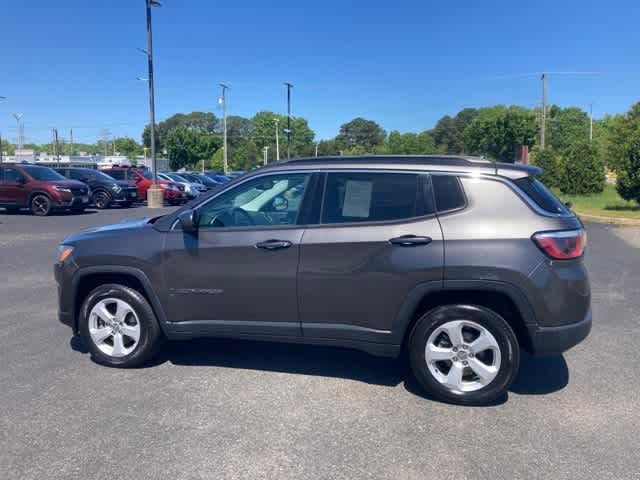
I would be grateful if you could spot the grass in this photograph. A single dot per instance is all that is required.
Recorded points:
(605, 204)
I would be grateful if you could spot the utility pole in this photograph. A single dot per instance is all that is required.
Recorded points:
(277, 140)
(265, 152)
(316, 149)
(55, 136)
(223, 102)
(543, 118)
(154, 194)
(71, 139)
(1, 98)
(18, 117)
(591, 122)
(288, 131)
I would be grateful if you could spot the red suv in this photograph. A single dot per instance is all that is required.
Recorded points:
(173, 192)
(40, 189)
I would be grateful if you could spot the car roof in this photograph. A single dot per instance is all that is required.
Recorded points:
(443, 163)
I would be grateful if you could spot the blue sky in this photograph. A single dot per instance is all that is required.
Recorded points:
(73, 63)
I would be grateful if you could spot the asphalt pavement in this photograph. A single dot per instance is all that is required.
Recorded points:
(232, 409)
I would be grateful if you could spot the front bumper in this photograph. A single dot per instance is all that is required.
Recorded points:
(558, 339)
(124, 196)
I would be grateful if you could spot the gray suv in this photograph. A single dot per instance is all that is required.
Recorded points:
(457, 261)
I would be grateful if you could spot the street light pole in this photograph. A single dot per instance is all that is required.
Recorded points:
(154, 194)
(223, 100)
(277, 140)
(1, 98)
(543, 118)
(289, 87)
(591, 122)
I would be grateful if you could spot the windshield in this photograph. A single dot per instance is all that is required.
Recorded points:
(176, 177)
(44, 174)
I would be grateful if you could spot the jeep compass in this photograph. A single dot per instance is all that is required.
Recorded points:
(460, 262)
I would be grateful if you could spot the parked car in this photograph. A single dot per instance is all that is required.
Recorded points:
(105, 190)
(143, 179)
(458, 261)
(192, 189)
(205, 180)
(40, 189)
(218, 177)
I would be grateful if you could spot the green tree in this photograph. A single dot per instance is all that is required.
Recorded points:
(448, 133)
(582, 170)
(496, 132)
(361, 135)
(549, 161)
(128, 146)
(203, 121)
(566, 126)
(410, 143)
(263, 134)
(621, 128)
(187, 147)
(327, 148)
(628, 183)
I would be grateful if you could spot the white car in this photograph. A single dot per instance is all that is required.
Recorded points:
(190, 188)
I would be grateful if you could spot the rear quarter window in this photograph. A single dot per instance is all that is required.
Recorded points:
(448, 193)
(541, 195)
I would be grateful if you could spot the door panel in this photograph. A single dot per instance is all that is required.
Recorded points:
(379, 238)
(239, 273)
(222, 276)
(353, 276)
(12, 191)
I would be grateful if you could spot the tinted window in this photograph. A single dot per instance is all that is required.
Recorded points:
(448, 192)
(536, 190)
(44, 174)
(117, 174)
(11, 175)
(369, 197)
(265, 201)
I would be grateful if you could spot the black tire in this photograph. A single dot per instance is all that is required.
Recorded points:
(101, 200)
(489, 320)
(151, 337)
(40, 205)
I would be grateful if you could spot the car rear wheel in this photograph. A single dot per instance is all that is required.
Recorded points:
(119, 327)
(40, 205)
(101, 200)
(464, 354)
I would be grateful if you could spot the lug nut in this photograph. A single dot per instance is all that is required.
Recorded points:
(465, 363)
(455, 359)
(455, 349)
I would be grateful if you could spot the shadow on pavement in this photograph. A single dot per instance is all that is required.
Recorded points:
(541, 375)
(537, 376)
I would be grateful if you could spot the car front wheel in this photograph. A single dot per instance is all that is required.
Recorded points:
(119, 327)
(464, 354)
(40, 205)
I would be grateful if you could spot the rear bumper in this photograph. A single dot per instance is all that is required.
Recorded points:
(558, 339)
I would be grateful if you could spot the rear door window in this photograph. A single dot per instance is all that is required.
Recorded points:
(371, 197)
(117, 174)
(541, 195)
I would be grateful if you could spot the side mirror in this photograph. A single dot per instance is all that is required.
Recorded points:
(189, 221)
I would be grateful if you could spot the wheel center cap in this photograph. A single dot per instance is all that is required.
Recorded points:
(462, 355)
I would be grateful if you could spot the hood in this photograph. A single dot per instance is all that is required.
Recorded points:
(68, 183)
(106, 229)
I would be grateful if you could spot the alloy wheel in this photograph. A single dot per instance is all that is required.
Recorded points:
(40, 205)
(114, 327)
(463, 356)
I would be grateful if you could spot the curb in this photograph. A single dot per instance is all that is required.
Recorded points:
(630, 222)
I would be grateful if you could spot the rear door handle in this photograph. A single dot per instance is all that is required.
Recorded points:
(410, 241)
(273, 244)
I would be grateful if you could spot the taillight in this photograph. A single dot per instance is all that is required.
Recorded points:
(563, 245)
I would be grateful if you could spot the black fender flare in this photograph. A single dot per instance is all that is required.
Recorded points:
(411, 302)
(123, 270)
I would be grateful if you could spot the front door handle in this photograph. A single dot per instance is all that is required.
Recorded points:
(410, 241)
(274, 244)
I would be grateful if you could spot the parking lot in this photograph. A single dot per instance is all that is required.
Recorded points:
(233, 409)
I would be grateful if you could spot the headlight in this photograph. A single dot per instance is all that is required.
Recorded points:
(64, 252)
(62, 189)
(116, 188)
